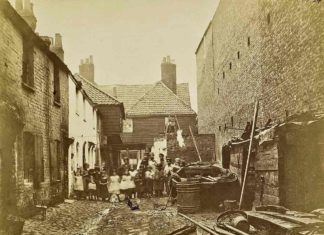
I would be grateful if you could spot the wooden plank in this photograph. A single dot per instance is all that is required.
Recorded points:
(249, 152)
(201, 225)
(293, 219)
(266, 164)
(282, 224)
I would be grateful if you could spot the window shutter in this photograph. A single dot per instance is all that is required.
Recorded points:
(53, 151)
(39, 161)
(58, 160)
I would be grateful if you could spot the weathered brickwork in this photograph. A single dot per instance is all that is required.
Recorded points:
(271, 50)
(41, 116)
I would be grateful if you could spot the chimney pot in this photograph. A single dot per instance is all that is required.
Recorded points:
(28, 6)
(86, 69)
(58, 40)
(19, 5)
(168, 74)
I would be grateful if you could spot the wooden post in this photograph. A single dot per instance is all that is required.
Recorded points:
(249, 152)
(194, 141)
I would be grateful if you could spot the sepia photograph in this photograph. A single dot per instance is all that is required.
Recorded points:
(161, 117)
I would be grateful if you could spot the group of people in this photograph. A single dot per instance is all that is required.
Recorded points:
(148, 179)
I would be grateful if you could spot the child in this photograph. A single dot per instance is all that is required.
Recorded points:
(126, 184)
(158, 183)
(139, 181)
(78, 184)
(92, 189)
(103, 190)
(149, 181)
(114, 186)
(132, 189)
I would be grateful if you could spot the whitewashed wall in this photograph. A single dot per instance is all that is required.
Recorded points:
(83, 129)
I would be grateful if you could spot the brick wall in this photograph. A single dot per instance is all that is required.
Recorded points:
(205, 143)
(280, 61)
(41, 115)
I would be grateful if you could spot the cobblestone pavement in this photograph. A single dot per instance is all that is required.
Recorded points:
(102, 218)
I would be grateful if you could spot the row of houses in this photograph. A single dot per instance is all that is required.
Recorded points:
(270, 51)
(53, 121)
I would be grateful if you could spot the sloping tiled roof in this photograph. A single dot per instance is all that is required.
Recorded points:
(96, 95)
(130, 94)
(160, 100)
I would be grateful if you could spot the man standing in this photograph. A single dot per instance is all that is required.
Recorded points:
(167, 174)
(162, 162)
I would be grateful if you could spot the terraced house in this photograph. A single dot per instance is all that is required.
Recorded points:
(34, 108)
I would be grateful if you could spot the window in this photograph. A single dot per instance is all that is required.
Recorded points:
(29, 156)
(33, 158)
(84, 110)
(57, 92)
(218, 91)
(248, 41)
(55, 157)
(94, 119)
(238, 55)
(28, 64)
(232, 121)
(128, 125)
(77, 97)
(230, 65)
(268, 18)
(223, 75)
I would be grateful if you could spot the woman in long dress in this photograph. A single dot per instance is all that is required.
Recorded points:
(114, 185)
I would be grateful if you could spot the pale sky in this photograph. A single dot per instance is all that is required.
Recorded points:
(128, 38)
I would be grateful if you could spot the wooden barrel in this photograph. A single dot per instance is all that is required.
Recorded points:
(188, 197)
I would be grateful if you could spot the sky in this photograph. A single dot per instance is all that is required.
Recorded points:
(128, 38)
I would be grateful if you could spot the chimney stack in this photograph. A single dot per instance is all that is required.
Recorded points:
(169, 74)
(26, 11)
(57, 48)
(86, 69)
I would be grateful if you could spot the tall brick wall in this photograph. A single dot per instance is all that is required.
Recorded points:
(280, 61)
(292, 57)
(41, 115)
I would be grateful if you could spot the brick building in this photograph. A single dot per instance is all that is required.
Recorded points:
(271, 51)
(150, 107)
(34, 112)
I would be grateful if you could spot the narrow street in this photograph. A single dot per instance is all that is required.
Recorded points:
(161, 117)
(96, 217)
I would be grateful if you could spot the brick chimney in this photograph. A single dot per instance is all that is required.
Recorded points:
(57, 48)
(26, 11)
(169, 74)
(86, 69)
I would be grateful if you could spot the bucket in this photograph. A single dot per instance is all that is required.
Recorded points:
(188, 197)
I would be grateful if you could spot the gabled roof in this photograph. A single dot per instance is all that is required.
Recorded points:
(160, 100)
(94, 93)
(130, 94)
